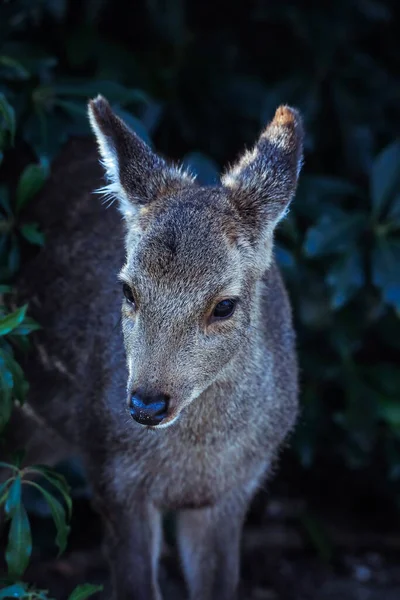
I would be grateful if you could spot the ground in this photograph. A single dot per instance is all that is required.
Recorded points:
(323, 534)
(279, 559)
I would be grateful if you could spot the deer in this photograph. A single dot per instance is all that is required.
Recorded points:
(167, 356)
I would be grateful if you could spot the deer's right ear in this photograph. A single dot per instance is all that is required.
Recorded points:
(136, 175)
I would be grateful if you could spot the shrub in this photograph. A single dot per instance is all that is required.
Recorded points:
(201, 89)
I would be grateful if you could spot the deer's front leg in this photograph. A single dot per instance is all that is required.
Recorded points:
(209, 543)
(132, 545)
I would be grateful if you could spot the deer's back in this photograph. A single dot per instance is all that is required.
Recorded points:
(73, 291)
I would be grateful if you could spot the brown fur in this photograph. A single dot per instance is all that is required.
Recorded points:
(232, 383)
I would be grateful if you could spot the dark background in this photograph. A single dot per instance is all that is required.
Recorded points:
(199, 80)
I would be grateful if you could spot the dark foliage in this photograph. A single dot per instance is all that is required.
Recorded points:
(200, 81)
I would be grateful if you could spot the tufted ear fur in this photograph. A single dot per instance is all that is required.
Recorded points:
(136, 175)
(261, 185)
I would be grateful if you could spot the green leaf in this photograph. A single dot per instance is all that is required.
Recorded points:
(345, 278)
(7, 111)
(13, 261)
(36, 60)
(12, 320)
(31, 232)
(284, 257)
(20, 385)
(6, 391)
(328, 188)
(390, 412)
(16, 67)
(150, 115)
(85, 591)
(333, 233)
(18, 457)
(385, 177)
(17, 590)
(393, 215)
(385, 269)
(5, 465)
(359, 149)
(58, 481)
(5, 289)
(27, 326)
(30, 183)
(41, 595)
(4, 490)
(58, 514)
(19, 547)
(14, 497)
(74, 108)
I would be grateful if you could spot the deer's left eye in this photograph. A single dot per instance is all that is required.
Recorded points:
(224, 309)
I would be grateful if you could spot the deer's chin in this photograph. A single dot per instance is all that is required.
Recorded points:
(170, 420)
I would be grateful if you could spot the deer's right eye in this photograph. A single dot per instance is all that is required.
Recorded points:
(224, 309)
(128, 294)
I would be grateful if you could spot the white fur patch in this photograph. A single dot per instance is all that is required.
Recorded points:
(113, 190)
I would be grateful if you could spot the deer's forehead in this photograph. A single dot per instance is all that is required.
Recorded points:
(185, 251)
(185, 241)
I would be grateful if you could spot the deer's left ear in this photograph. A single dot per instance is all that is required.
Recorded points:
(261, 185)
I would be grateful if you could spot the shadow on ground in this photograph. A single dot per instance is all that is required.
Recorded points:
(278, 560)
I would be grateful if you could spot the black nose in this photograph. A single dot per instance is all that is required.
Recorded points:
(148, 409)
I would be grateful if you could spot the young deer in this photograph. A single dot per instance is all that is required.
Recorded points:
(186, 407)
